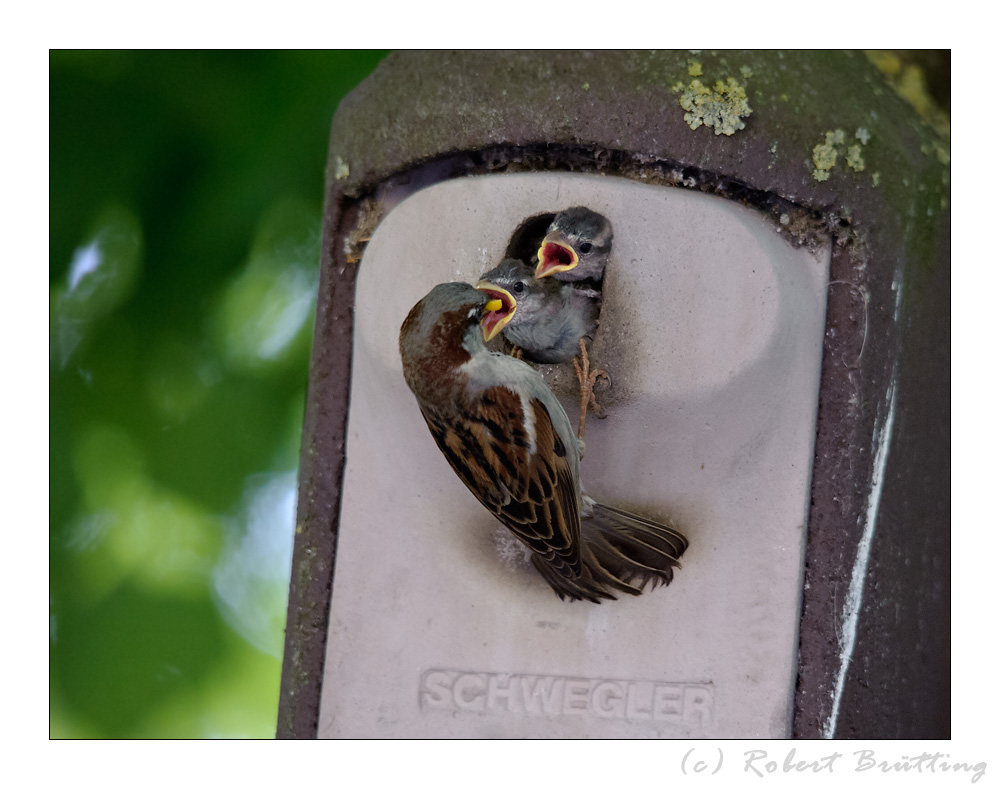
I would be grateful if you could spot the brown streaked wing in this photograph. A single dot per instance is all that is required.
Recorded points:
(532, 494)
(558, 522)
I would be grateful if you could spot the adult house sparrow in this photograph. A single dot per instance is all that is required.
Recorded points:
(509, 440)
(547, 319)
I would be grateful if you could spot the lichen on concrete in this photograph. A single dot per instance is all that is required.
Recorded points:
(825, 154)
(854, 159)
(722, 107)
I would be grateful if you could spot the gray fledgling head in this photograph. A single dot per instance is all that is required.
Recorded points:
(521, 295)
(577, 246)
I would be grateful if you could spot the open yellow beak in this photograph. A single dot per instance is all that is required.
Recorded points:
(555, 255)
(499, 309)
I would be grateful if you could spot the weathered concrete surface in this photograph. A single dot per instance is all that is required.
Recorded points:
(867, 660)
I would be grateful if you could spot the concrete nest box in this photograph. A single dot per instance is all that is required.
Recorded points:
(775, 328)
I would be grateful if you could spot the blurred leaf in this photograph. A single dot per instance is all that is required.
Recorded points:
(136, 530)
(251, 578)
(102, 276)
(106, 459)
(270, 303)
(179, 377)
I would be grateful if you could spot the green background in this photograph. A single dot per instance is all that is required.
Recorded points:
(185, 198)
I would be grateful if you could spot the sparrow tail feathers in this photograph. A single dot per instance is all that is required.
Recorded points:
(633, 549)
(621, 552)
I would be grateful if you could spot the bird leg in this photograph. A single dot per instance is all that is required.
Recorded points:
(587, 379)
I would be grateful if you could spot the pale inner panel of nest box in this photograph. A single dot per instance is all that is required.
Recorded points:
(712, 333)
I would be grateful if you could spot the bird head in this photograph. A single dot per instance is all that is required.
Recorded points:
(441, 332)
(576, 246)
(503, 285)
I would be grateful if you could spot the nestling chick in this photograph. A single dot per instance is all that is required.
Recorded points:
(509, 440)
(576, 249)
(545, 318)
(576, 246)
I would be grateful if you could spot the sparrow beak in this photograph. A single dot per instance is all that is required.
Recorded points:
(499, 309)
(555, 255)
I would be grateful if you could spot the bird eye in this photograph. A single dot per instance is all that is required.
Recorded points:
(517, 287)
(585, 247)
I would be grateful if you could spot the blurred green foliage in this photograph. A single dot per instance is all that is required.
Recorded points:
(185, 199)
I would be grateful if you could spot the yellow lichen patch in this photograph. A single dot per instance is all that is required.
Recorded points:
(721, 107)
(341, 169)
(854, 159)
(694, 68)
(825, 154)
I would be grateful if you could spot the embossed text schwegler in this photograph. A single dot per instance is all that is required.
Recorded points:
(683, 704)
